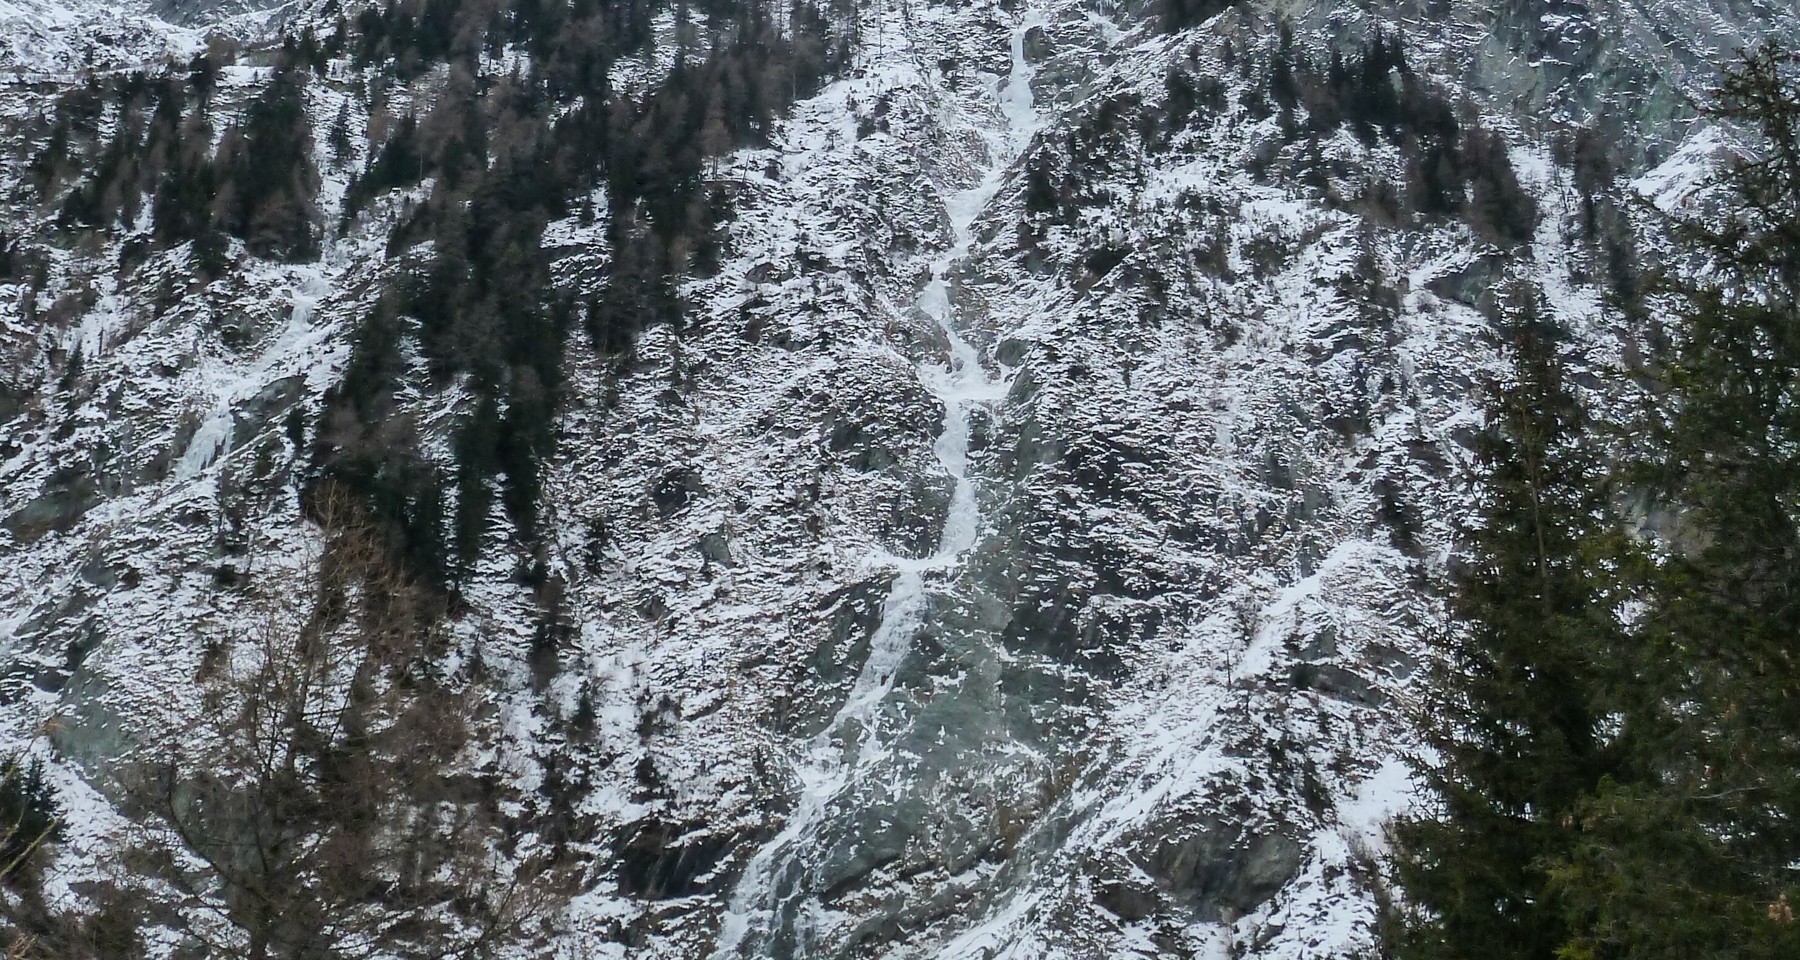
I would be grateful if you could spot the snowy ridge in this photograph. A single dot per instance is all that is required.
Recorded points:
(54, 37)
(52, 40)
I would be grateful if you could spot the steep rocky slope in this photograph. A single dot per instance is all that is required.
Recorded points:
(1021, 548)
(52, 39)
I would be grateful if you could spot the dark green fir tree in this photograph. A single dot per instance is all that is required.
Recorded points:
(1702, 860)
(1518, 717)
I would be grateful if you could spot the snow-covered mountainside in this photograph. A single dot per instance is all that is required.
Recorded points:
(55, 38)
(1023, 545)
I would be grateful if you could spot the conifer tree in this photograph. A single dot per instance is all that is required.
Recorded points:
(1634, 792)
(29, 816)
(1699, 862)
(269, 183)
(1517, 716)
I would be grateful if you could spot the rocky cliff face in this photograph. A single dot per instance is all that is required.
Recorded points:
(1023, 547)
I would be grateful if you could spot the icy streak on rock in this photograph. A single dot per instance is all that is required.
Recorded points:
(214, 436)
(771, 886)
(964, 382)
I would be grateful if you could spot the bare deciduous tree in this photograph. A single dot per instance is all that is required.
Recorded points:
(320, 806)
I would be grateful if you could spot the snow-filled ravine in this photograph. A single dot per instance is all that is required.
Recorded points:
(772, 911)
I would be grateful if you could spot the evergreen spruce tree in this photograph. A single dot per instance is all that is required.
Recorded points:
(1700, 860)
(29, 815)
(268, 182)
(1517, 718)
(1634, 792)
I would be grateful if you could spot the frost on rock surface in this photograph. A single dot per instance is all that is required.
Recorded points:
(1022, 548)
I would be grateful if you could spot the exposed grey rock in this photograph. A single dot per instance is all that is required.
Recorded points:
(68, 496)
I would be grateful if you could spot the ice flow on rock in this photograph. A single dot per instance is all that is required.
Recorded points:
(772, 912)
